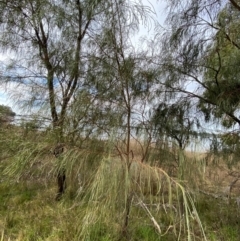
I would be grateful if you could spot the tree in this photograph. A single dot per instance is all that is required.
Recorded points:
(221, 76)
(48, 43)
(174, 121)
(175, 129)
(199, 55)
(119, 78)
(6, 114)
(53, 44)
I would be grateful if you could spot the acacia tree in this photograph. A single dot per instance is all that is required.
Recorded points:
(120, 77)
(174, 121)
(47, 43)
(199, 55)
(222, 79)
(221, 76)
(6, 114)
(175, 126)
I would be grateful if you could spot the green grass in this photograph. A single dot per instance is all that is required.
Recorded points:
(145, 232)
(28, 211)
(220, 219)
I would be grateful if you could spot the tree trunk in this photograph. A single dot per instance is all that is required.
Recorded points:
(61, 181)
(127, 213)
(61, 176)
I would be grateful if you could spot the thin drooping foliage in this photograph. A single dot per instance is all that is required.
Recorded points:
(199, 55)
(51, 43)
(148, 187)
(120, 119)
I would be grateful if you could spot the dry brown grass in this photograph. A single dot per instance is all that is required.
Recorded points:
(216, 174)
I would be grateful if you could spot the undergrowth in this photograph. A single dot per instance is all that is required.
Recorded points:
(28, 212)
(106, 199)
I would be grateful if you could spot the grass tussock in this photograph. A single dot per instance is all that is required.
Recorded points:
(155, 206)
(108, 199)
(140, 195)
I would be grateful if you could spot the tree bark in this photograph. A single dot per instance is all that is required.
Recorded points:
(61, 176)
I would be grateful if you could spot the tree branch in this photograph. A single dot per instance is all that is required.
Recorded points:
(235, 4)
